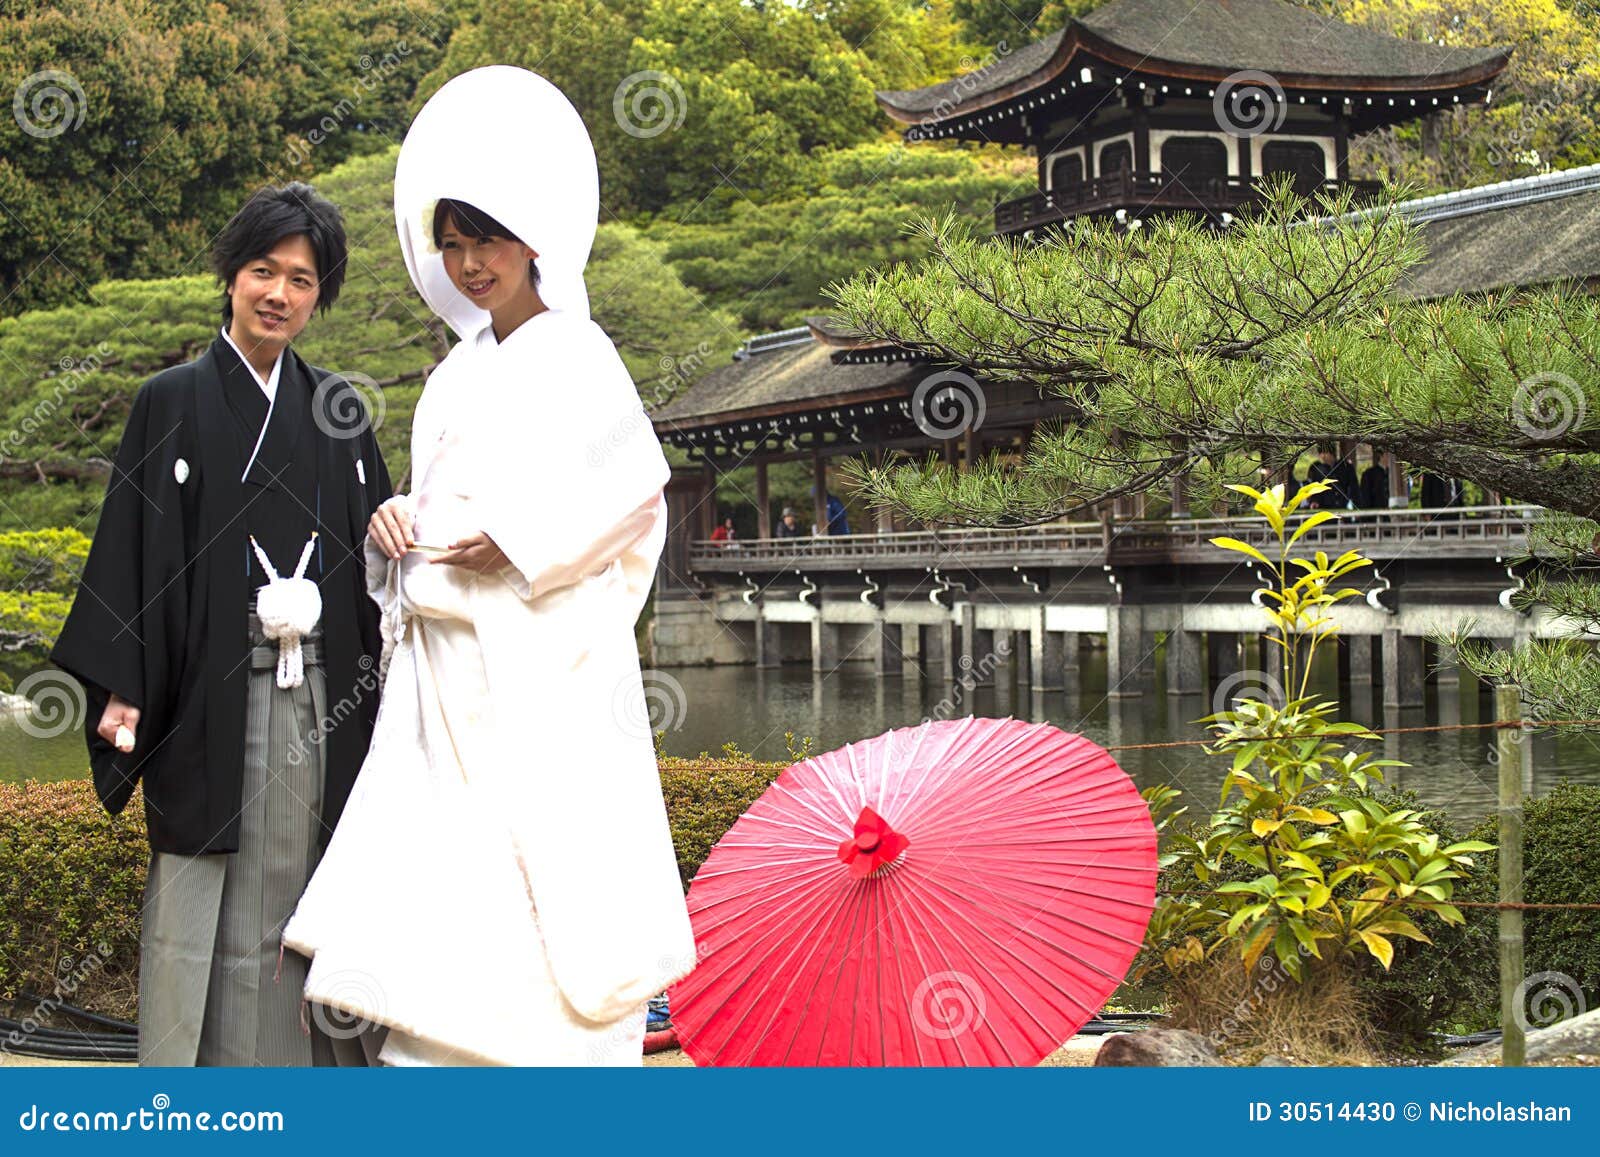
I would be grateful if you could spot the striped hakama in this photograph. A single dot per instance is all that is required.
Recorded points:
(212, 989)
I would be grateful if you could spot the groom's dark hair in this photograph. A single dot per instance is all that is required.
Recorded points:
(270, 215)
(473, 220)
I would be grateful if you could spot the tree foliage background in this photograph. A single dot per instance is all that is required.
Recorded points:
(745, 167)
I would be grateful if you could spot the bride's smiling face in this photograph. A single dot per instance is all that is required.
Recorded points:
(492, 272)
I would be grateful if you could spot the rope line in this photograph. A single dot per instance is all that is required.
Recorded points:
(1502, 724)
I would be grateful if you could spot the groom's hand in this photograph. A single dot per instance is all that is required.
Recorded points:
(118, 713)
(477, 552)
(390, 526)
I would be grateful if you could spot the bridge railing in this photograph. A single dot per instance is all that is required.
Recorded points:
(1495, 527)
(1469, 531)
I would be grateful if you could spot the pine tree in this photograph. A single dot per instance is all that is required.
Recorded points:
(1177, 348)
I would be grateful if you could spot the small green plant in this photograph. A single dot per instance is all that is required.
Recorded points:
(1299, 859)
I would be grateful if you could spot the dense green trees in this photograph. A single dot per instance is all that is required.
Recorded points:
(140, 127)
(768, 263)
(697, 106)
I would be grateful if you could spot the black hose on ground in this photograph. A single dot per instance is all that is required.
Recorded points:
(26, 997)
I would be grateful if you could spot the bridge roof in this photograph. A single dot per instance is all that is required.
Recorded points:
(1527, 232)
(798, 377)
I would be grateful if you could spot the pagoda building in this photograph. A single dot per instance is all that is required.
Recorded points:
(1140, 107)
(1160, 105)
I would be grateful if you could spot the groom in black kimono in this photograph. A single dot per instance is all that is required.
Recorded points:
(244, 770)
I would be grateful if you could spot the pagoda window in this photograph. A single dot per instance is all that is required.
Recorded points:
(1114, 155)
(1307, 160)
(1065, 169)
(1193, 159)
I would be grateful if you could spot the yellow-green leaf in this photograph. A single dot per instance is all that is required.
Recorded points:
(1241, 547)
(1379, 947)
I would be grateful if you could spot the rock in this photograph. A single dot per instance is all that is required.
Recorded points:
(1569, 1038)
(1272, 1062)
(1163, 1047)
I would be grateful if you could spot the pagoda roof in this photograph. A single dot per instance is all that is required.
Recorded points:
(1208, 40)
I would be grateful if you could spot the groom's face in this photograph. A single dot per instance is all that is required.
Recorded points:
(273, 296)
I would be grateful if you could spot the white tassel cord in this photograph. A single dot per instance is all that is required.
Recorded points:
(289, 608)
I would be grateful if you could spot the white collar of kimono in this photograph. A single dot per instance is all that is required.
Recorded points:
(268, 387)
(509, 142)
(269, 384)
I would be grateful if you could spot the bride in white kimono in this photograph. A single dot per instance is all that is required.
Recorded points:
(502, 887)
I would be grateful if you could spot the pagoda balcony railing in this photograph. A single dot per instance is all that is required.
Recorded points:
(1140, 192)
(1461, 532)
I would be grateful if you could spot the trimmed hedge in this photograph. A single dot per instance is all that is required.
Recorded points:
(74, 877)
(1561, 865)
(74, 881)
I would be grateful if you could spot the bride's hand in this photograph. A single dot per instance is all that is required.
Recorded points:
(476, 552)
(390, 526)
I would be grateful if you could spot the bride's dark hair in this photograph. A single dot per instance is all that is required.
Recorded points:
(472, 220)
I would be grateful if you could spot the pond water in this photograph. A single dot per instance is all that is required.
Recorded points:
(702, 708)
(1450, 769)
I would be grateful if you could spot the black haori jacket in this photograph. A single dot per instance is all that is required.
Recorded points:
(161, 617)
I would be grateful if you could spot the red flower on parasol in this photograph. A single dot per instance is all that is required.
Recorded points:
(964, 892)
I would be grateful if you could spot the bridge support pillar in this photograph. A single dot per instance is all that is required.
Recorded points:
(982, 656)
(1446, 666)
(1402, 669)
(824, 646)
(1022, 657)
(1002, 662)
(1183, 663)
(769, 645)
(911, 644)
(968, 643)
(886, 657)
(1046, 655)
(941, 644)
(1222, 655)
(1358, 648)
(1125, 654)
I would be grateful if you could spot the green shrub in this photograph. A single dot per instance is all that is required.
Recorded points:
(703, 800)
(42, 560)
(75, 877)
(1559, 867)
(1450, 985)
(39, 571)
(74, 881)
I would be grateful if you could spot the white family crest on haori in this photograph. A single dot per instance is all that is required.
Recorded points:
(288, 609)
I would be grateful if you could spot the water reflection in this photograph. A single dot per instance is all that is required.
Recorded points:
(1449, 769)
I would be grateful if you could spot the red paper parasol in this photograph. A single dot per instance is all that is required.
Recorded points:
(965, 892)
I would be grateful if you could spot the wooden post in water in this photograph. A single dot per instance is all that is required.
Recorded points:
(1509, 744)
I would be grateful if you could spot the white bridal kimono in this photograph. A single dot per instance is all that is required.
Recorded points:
(502, 888)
